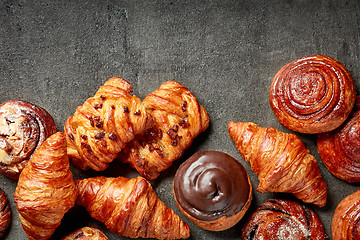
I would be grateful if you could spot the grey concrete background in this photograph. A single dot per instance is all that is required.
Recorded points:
(57, 53)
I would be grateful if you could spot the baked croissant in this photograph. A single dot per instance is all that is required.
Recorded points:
(23, 128)
(281, 161)
(314, 94)
(346, 220)
(178, 118)
(283, 219)
(103, 125)
(130, 207)
(340, 149)
(5, 213)
(86, 233)
(46, 190)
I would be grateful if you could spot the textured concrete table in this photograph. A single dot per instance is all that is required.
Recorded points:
(57, 53)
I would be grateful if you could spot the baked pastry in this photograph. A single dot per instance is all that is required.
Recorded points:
(283, 219)
(213, 190)
(45, 190)
(5, 213)
(340, 149)
(101, 127)
(314, 94)
(281, 161)
(130, 207)
(23, 128)
(178, 118)
(86, 233)
(346, 220)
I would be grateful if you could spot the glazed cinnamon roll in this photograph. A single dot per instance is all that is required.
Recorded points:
(86, 233)
(313, 94)
(23, 128)
(5, 213)
(346, 220)
(340, 149)
(283, 219)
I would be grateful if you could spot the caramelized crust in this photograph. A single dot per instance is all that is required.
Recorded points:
(46, 190)
(313, 94)
(23, 128)
(5, 213)
(102, 126)
(86, 233)
(283, 219)
(178, 118)
(281, 161)
(130, 207)
(340, 149)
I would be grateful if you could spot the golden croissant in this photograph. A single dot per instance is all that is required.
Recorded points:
(177, 119)
(130, 207)
(281, 161)
(101, 127)
(46, 189)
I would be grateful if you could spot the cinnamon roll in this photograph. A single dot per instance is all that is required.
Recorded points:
(23, 128)
(86, 233)
(313, 94)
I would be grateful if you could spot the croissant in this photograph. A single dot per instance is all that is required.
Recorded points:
(5, 213)
(313, 94)
(130, 207)
(45, 190)
(281, 161)
(283, 219)
(23, 128)
(345, 223)
(86, 233)
(178, 118)
(340, 149)
(103, 125)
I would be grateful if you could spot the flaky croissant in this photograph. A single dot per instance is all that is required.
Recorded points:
(46, 190)
(102, 126)
(281, 161)
(130, 207)
(178, 118)
(86, 233)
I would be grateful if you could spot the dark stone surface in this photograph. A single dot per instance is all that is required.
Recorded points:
(57, 53)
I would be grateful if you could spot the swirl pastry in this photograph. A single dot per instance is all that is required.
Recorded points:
(23, 128)
(46, 190)
(86, 233)
(281, 161)
(213, 190)
(340, 148)
(130, 207)
(5, 213)
(313, 94)
(346, 220)
(283, 219)
(178, 118)
(102, 126)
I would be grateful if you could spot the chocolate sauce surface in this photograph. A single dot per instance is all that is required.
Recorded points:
(210, 185)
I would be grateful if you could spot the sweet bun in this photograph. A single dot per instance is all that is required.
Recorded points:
(213, 190)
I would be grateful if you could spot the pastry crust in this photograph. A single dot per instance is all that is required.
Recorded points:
(23, 128)
(5, 213)
(86, 233)
(314, 94)
(283, 219)
(178, 119)
(281, 161)
(130, 207)
(46, 190)
(101, 127)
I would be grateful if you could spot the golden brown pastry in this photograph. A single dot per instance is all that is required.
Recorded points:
(23, 128)
(46, 190)
(5, 213)
(313, 94)
(102, 126)
(340, 149)
(213, 190)
(86, 233)
(346, 220)
(178, 118)
(130, 207)
(283, 219)
(281, 161)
